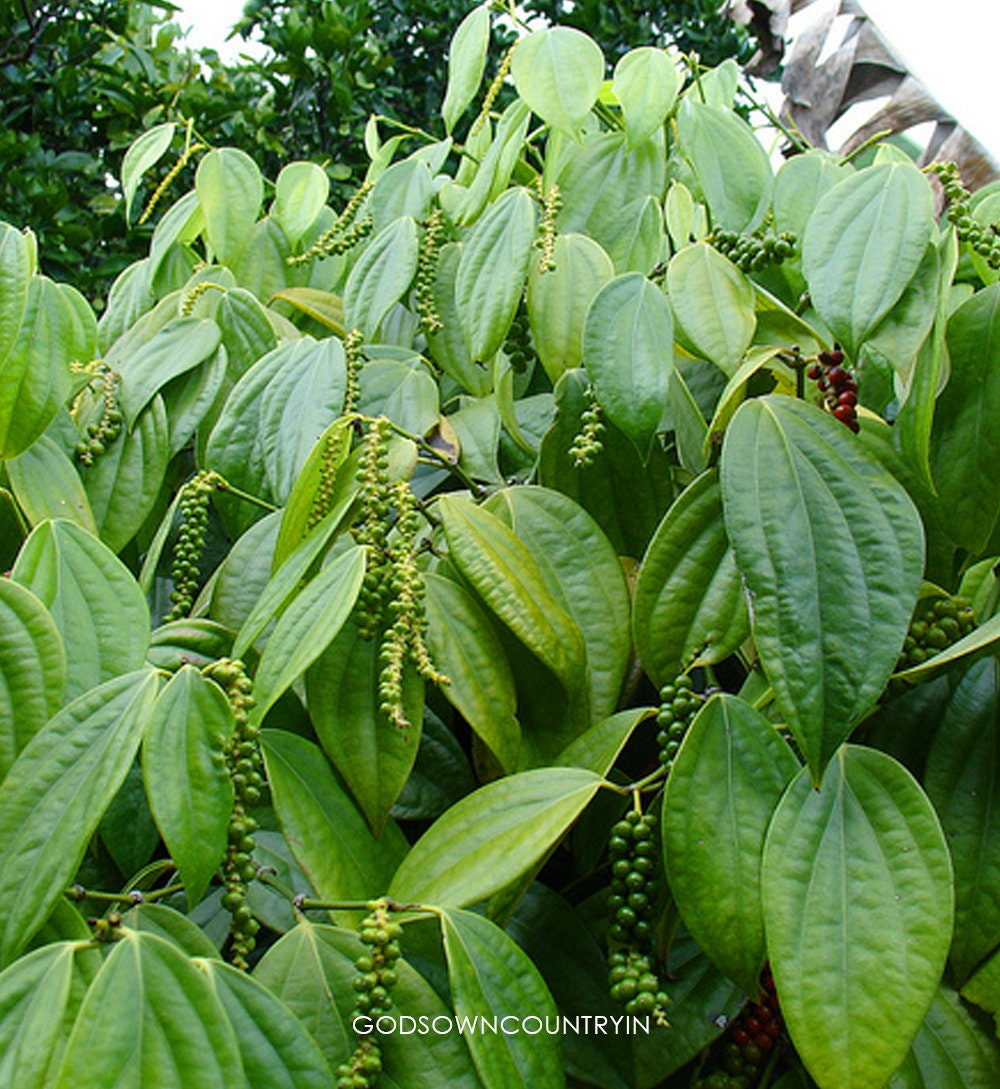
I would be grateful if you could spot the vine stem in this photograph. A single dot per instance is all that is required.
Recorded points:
(653, 779)
(223, 485)
(78, 893)
(301, 902)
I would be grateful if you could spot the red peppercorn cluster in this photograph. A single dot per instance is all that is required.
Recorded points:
(836, 383)
(748, 1041)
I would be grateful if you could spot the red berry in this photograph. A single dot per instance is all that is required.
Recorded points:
(838, 376)
(752, 1025)
(740, 1037)
(763, 1041)
(773, 1028)
(836, 357)
(763, 1014)
(823, 384)
(848, 397)
(814, 372)
(854, 426)
(844, 413)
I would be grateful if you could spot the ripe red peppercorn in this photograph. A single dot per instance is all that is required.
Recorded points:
(844, 413)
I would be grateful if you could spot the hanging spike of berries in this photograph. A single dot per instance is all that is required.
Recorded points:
(186, 568)
(346, 232)
(491, 92)
(355, 361)
(748, 1042)
(196, 292)
(427, 261)
(679, 703)
(518, 345)
(551, 206)
(182, 160)
(102, 434)
(246, 772)
(373, 531)
(586, 444)
(980, 237)
(837, 384)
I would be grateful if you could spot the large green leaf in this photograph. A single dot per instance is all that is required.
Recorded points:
(857, 896)
(558, 72)
(962, 779)
(32, 670)
(831, 549)
(54, 795)
(187, 782)
(584, 575)
(950, 1049)
(276, 1050)
(381, 276)
(466, 61)
(307, 627)
(299, 195)
(628, 352)
(16, 271)
(488, 839)
(46, 484)
(151, 1018)
(489, 976)
(863, 243)
(465, 647)
(492, 270)
(230, 190)
(448, 346)
(725, 782)
(96, 604)
(689, 604)
(247, 334)
(143, 154)
(729, 162)
(327, 834)
(712, 302)
(646, 83)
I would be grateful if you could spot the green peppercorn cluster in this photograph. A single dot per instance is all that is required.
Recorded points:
(679, 703)
(551, 206)
(102, 434)
(632, 899)
(181, 161)
(373, 986)
(586, 444)
(190, 545)
(346, 232)
(518, 345)
(427, 261)
(246, 772)
(196, 292)
(491, 93)
(322, 498)
(753, 252)
(354, 359)
(982, 238)
(748, 1041)
(373, 529)
(936, 624)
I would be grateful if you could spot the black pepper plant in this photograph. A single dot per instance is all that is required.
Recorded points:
(558, 583)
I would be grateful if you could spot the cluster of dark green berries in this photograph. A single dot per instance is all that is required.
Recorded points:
(427, 261)
(373, 529)
(185, 570)
(983, 239)
(518, 345)
(753, 252)
(836, 383)
(586, 444)
(936, 624)
(246, 773)
(748, 1040)
(354, 359)
(334, 446)
(346, 232)
(633, 853)
(102, 434)
(373, 985)
(679, 703)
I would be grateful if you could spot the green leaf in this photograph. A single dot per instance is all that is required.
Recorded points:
(493, 836)
(558, 300)
(725, 782)
(46, 485)
(321, 306)
(799, 184)
(689, 427)
(962, 779)
(187, 781)
(585, 577)
(381, 276)
(247, 334)
(558, 72)
(979, 642)
(466, 61)
(689, 603)
(230, 190)
(599, 747)
(628, 352)
(853, 282)
(465, 647)
(151, 1018)
(276, 1050)
(502, 571)
(735, 392)
(32, 670)
(857, 896)
(401, 388)
(713, 305)
(299, 195)
(373, 755)
(97, 605)
(797, 491)
(16, 272)
(489, 975)
(646, 83)
(173, 927)
(984, 988)
(729, 162)
(447, 346)
(145, 151)
(54, 795)
(491, 272)
(327, 834)
(307, 627)
(949, 1049)
(497, 163)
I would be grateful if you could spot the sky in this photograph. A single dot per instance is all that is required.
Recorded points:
(953, 47)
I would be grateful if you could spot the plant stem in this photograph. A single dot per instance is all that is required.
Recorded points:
(78, 893)
(452, 466)
(223, 485)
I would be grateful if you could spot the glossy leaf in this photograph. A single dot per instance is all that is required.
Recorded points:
(489, 975)
(230, 190)
(96, 604)
(724, 784)
(16, 271)
(448, 346)
(54, 795)
(381, 276)
(558, 72)
(628, 353)
(299, 195)
(796, 491)
(689, 603)
(646, 82)
(47, 485)
(143, 154)
(599, 747)
(857, 896)
(466, 61)
(494, 835)
(327, 834)
(979, 642)
(187, 781)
